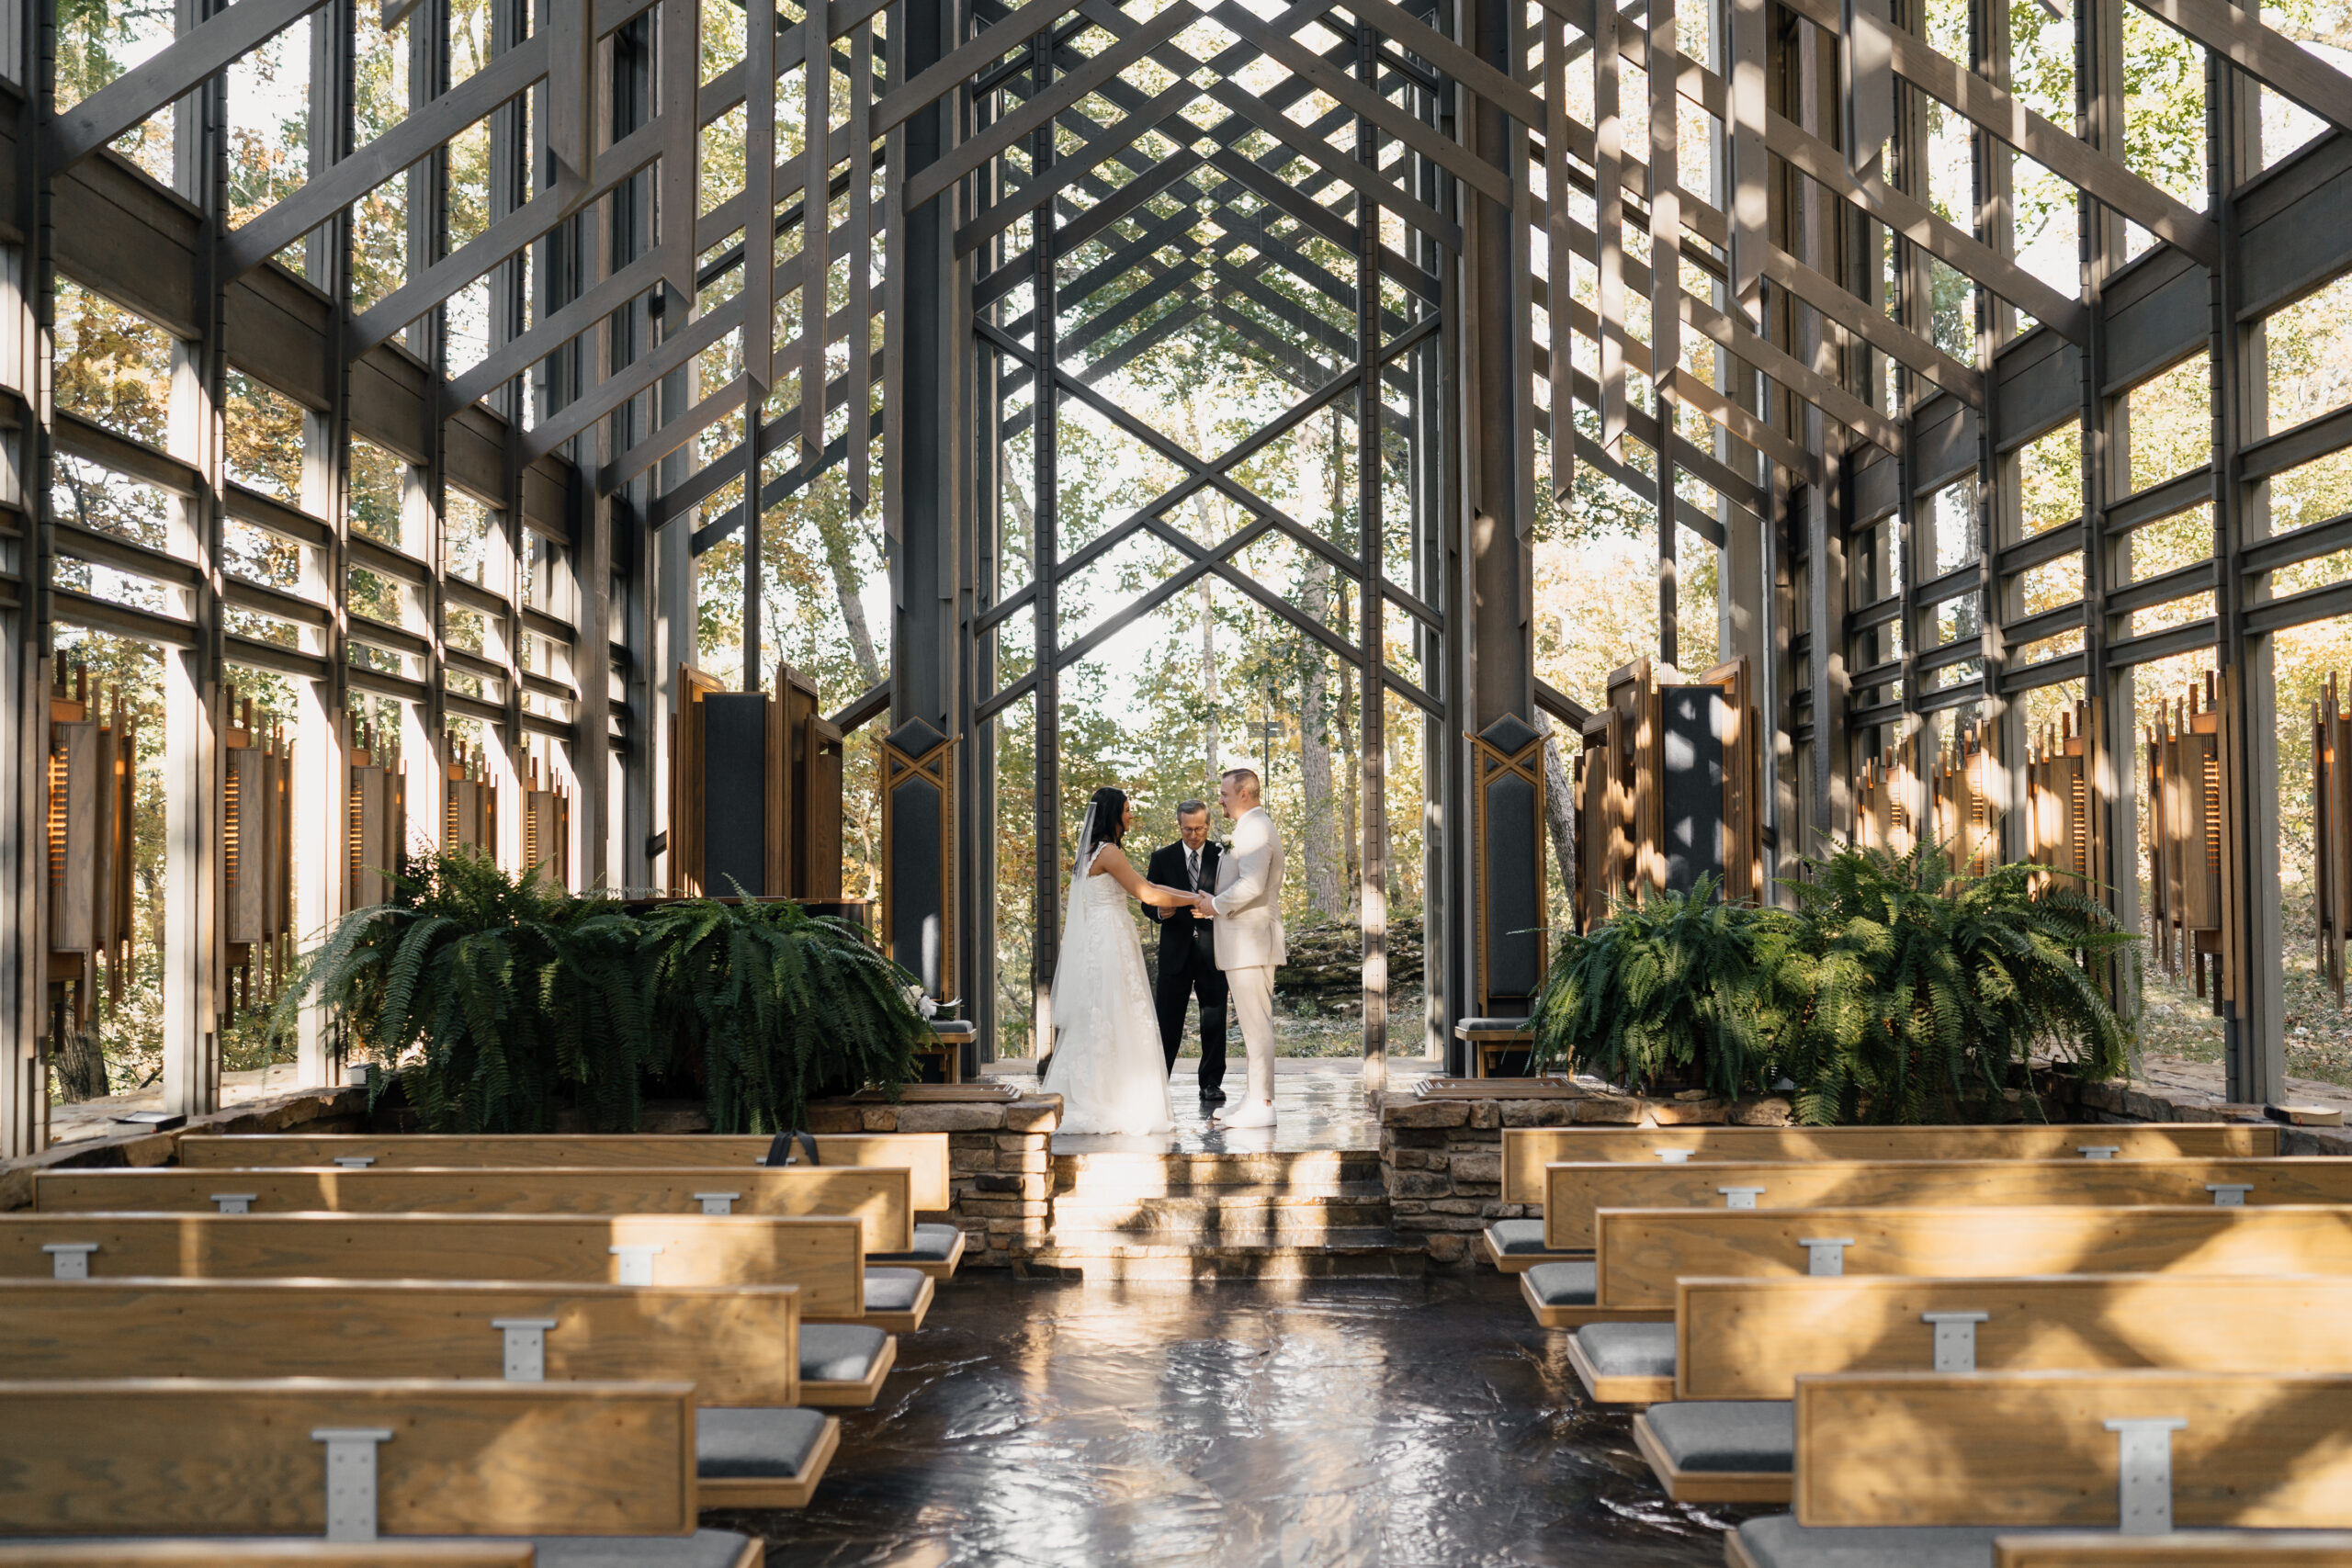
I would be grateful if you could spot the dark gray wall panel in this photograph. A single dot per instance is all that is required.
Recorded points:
(2296, 219)
(1514, 889)
(1877, 491)
(2041, 381)
(1696, 718)
(2158, 313)
(735, 793)
(1943, 443)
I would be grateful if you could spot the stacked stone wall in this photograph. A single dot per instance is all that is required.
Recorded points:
(1000, 1159)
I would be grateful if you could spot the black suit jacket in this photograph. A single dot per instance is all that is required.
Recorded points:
(1187, 943)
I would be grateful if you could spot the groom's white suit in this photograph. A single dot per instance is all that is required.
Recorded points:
(1249, 945)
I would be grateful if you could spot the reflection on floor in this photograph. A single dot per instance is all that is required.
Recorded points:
(1318, 1104)
(1302, 1424)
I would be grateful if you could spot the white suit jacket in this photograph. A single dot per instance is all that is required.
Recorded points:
(1249, 900)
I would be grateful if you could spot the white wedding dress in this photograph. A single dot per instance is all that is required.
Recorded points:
(1108, 1066)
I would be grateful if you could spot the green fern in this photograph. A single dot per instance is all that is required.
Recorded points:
(496, 1001)
(1672, 986)
(1928, 990)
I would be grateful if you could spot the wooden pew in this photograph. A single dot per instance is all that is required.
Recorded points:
(2182, 1549)
(1982, 1455)
(1642, 1253)
(923, 1154)
(739, 1345)
(1752, 1338)
(181, 1456)
(266, 1552)
(823, 1257)
(876, 1196)
(1573, 1193)
(936, 1250)
(1517, 1245)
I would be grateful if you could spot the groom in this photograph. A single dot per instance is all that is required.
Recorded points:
(1187, 952)
(1247, 910)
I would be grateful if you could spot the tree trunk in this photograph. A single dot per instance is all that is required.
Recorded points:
(1210, 740)
(1351, 786)
(834, 530)
(81, 1065)
(1559, 806)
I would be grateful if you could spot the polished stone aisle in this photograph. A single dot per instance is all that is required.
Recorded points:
(1295, 1423)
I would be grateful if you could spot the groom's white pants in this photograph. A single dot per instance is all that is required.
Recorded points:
(1252, 994)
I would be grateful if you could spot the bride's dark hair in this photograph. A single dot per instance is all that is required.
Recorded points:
(1109, 811)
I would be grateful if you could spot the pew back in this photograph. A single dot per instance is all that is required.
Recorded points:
(739, 1345)
(824, 1256)
(924, 1154)
(190, 1455)
(1573, 1193)
(2253, 1451)
(1527, 1150)
(876, 1197)
(1752, 1338)
(1642, 1252)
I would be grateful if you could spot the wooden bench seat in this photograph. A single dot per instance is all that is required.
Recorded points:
(2182, 1549)
(824, 1256)
(1575, 1192)
(923, 1155)
(266, 1552)
(186, 1456)
(704, 1549)
(739, 1345)
(878, 1196)
(1527, 1150)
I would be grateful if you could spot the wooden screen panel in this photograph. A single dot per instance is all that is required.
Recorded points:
(739, 1345)
(195, 1455)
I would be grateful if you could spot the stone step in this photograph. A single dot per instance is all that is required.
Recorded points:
(1172, 1172)
(1202, 1214)
(1356, 1251)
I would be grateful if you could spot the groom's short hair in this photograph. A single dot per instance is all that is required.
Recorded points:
(1186, 808)
(1246, 777)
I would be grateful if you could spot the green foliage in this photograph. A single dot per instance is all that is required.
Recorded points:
(771, 1006)
(1672, 986)
(1895, 991)
(499, 1000)
(1928, 989)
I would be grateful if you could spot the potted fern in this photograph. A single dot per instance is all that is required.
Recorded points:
(1674, 990)
(767, 1006)
(498, 1001)
(495, 1003)
(1930, 992)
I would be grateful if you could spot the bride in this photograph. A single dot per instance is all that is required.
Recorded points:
(1107, 1063)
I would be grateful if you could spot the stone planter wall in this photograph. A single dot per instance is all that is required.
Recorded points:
(2116, 1102)
(1442, 1159)
(1000, 1162)
(306, 1110)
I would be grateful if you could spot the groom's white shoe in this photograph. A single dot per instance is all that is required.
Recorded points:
(1253, 1113)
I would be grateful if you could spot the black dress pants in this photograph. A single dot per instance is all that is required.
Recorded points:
(1177, 987)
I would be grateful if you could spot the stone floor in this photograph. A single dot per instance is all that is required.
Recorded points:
(1383, 1423)
(1318, 1104)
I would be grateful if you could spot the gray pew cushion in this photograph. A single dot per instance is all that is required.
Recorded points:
(934, 1244)
(1569, 1284)
(1778, 1542)
(839, 1352)
(704, 1549)
(1728, 1433)
(893, 1290)
(765, 1445)
(1517, 1235)
(1625, 1349)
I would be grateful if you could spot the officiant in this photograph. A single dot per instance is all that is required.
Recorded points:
(1188, 948)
